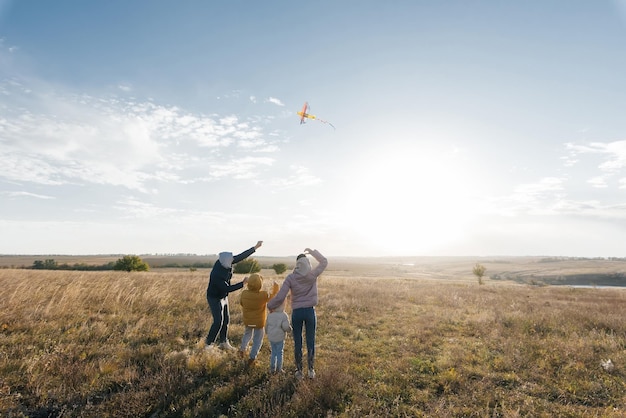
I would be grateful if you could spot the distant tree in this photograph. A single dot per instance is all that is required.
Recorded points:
(479, 271)
(48, 264)
(131, 263)
(202, 265)
(247, 266)
(280, 268)
(108, 266)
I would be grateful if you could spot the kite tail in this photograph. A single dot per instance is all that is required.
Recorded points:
(328, 123)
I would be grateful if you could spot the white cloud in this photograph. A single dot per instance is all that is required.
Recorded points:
(28, 168)
(569, 161)
(540, 197)
(55, 139)
(616, 157)
(234, 94)
(241, 168)
(531, 192)
(300, 178)
(613, 154)
(26, 194)
(134, 208)
(598, 182)
(275, 101)
(591, 209)
(552, 196)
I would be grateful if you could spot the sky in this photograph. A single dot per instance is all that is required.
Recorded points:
(474, 128)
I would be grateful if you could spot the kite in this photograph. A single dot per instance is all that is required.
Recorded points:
(304, 115)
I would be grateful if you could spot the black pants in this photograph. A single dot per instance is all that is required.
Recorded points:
(221, 318)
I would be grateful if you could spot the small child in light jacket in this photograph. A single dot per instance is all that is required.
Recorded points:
(253, 305)
(276, 327)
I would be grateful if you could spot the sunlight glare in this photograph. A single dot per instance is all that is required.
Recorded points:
(411, 200)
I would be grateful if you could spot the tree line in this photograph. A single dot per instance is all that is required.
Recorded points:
(135, 263)
(127, 263)
(51, 264)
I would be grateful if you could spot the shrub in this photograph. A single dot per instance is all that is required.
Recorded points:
(49, 264)
(247, 266)
(131, 263)
(279, 268)
(479, 272)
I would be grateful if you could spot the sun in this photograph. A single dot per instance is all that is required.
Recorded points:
(411, 200)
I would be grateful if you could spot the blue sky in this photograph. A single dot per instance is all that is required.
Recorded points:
(462, 127)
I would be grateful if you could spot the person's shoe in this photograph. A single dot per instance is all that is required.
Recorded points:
(311, 374)
(210, 347)
(251, 362)
(299, 375)
(226, 346)
(242, 353)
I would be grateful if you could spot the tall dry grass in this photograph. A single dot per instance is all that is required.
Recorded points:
(76, 344)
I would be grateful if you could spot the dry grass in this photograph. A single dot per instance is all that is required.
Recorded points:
(100, 344)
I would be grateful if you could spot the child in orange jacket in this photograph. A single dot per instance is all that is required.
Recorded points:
(253, 303)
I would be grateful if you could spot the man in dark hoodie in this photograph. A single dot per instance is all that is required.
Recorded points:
(217, 294)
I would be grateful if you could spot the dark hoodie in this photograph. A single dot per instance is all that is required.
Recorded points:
(219, 281)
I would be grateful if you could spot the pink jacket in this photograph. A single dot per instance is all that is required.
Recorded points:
(303, 287)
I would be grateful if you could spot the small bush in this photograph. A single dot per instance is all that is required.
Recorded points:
(247, 266)
(279, 268)
(131, 263)
(479, 271)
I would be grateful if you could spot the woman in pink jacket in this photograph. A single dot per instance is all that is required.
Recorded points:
(302, 283)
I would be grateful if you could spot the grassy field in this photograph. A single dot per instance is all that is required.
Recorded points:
(408, 340)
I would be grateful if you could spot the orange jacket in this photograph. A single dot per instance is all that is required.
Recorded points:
(254, 301)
